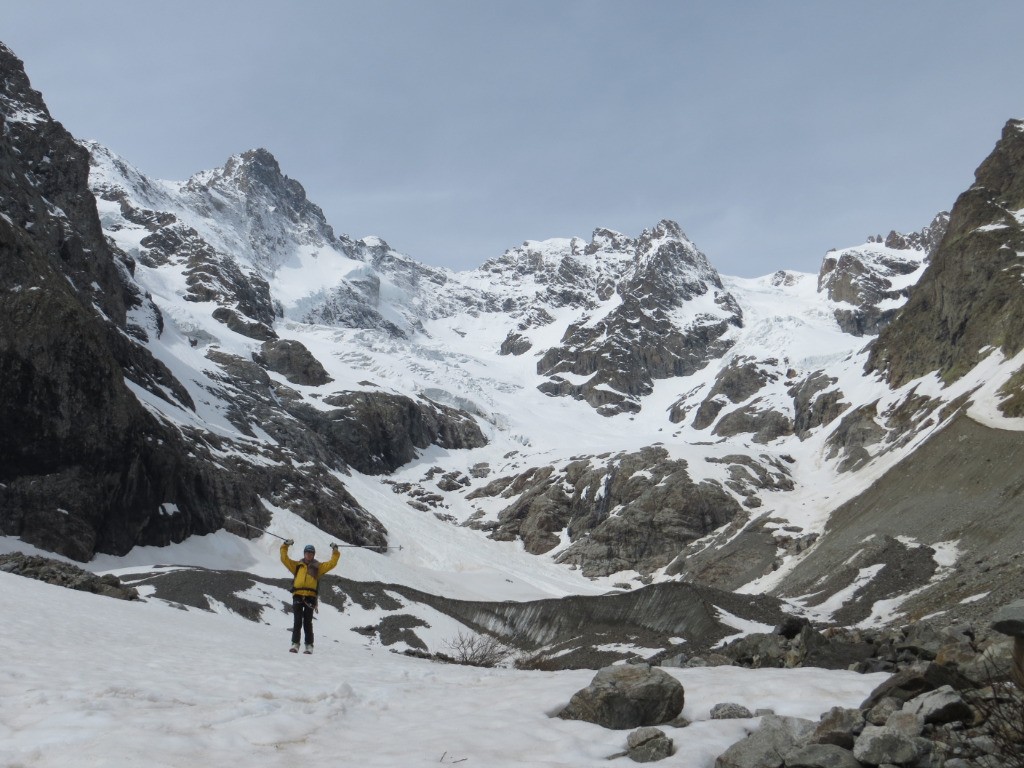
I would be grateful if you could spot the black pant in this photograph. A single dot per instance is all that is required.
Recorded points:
(302, 609)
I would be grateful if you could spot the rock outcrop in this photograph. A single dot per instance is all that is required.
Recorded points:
(634, 510)
(62, 574)
(875, 279)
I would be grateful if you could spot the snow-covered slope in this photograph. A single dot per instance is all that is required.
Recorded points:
(225, 690)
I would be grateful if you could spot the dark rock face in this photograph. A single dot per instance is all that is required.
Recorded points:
(83, 467)
(634, 511)
(765, 424)
(969, 298)
(814, 404)
(378, 432)
(856, 432)
(294, 361)
(737, 383)
(740, 380)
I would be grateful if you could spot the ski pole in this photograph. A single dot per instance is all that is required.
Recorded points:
(282, 538)
(247, 525)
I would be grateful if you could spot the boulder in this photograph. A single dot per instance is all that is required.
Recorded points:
(647, 745)
(913, 681)
(822, 756)
(628, 696)
(882, 744)
(993, 664)
(768, 745)
(1009, 620)
(730, 711)
(839, 726)
(880, 712)
(943, 705)
(907, 723)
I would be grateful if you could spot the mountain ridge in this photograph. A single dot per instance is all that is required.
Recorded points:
(614, 406)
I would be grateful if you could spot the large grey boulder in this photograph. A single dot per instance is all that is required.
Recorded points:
(943, 705)
(913, 681)
(839, 727)
(993, 664)
(1009, 620)
(627, 696)
(878, 745)
(768, 746)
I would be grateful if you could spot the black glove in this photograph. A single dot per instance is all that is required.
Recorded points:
(334, 546)
(288, 542)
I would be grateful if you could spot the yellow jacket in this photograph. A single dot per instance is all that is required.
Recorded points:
(304, 584)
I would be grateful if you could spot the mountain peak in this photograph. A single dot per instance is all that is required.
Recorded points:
(666, 228)
(257, 161)
(254, 182)
(256, 168)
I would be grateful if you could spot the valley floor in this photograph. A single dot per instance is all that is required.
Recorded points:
(92, 681)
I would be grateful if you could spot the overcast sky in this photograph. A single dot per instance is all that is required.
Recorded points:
(454, 129)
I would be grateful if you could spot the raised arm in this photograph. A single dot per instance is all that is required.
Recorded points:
(335, 555)
(290, 564)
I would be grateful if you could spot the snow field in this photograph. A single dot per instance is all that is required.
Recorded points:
(92, 681)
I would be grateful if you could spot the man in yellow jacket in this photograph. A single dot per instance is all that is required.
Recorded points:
(305, 587)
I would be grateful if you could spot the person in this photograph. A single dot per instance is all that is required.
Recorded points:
(305, 587)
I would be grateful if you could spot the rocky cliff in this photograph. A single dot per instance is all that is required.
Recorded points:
(85, 465)
(970, 301)
(103, 447)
